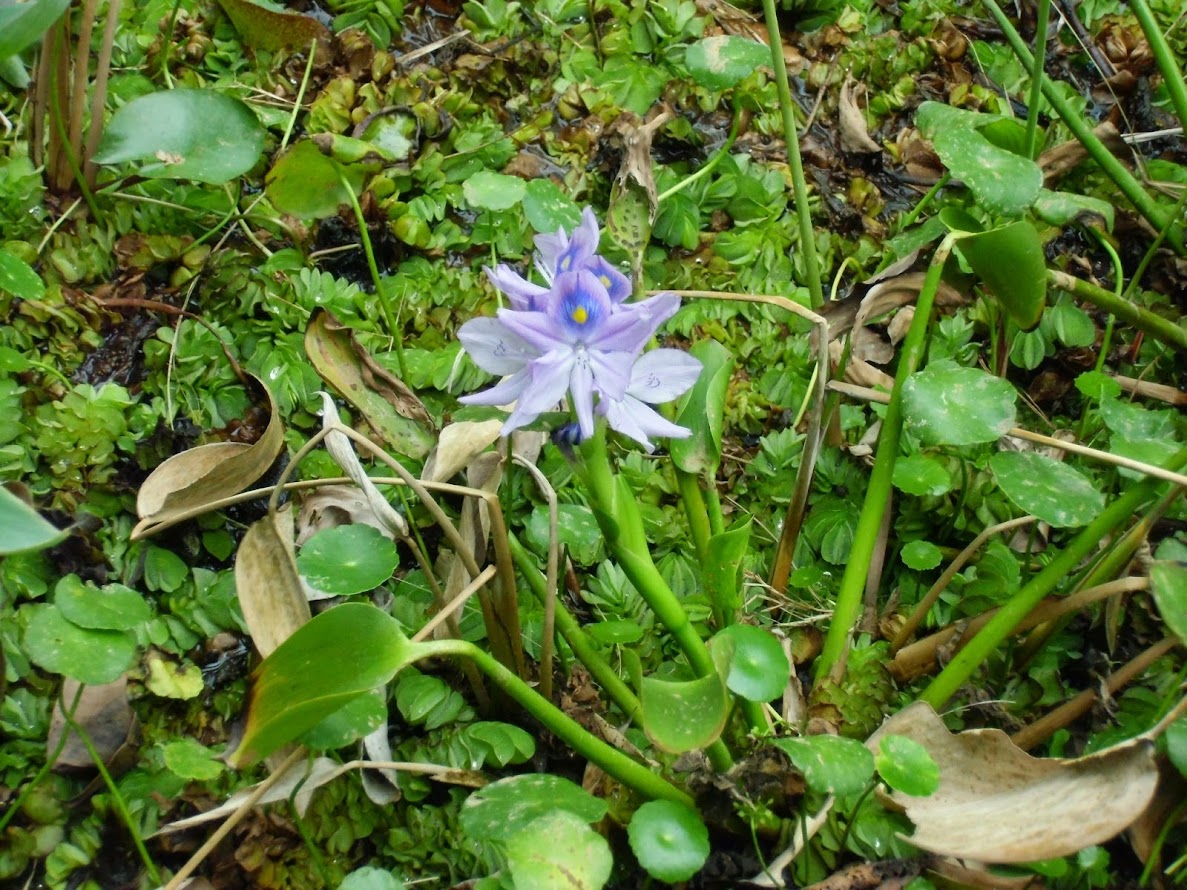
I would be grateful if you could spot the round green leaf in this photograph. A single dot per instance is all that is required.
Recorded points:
(184, 134)
(577, 530)
(669, 840)
(1098, 385)
(504, 808)
(1050, 489)
(559, 850)
(90, 656)
(309, 185)
(189, 759)
(347, 559)
(681, 716)
(18, 278)
(115, 607)
(758, 666)
(371, 878)
(619, 632)
(548, 208)
(920, 555)
(921, 475)
(1010, 260)
(1168, 583)
(905, 766)
(22, 528)
(486, 190)
(946, 404)
(830, 763)
(718, 63)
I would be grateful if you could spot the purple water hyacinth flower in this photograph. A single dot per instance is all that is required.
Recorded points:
(579, 342)
(557, 254)
(657, 376)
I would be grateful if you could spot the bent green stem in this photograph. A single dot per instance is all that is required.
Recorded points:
(994, 633)
(1172, 76)
(709, 165)
(1156, 326)
(1036, 78)
(865, 537)
(791, 137)
(640, 777)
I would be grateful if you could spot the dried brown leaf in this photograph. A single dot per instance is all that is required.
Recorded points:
(266, 578)
(855, 138)
(457, 446)
(103, 713)
(998, 804)
(200, 476)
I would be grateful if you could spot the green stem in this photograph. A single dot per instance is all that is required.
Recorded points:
(693, 501)
(924, 202)
(1113, 168)
(583, 647)
(388, 319)
(630, 772)
(716, 518)
(1172, 76)
(995, 632)
(709, 165)
(617, 513)
(1036, 79)
(1143, 319)
(865, 537)
(791, 137)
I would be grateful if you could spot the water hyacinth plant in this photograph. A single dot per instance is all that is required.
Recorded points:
(578, 335)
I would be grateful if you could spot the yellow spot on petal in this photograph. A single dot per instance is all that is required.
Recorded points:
(580, 315)
(605, 279)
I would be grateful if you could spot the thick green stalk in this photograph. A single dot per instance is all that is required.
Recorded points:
(696, 512)
(1172, 76)
(791, 137)
(617, 513)
(1036, 79)
(1156, 326)
(853, 581)
(1113, 168)
(583, 647)
(993, 634)
(630, 772)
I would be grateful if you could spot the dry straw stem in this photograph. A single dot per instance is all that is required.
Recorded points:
(1043, 728)
(548, 633)
(920, 657)
(873, 395)
(815, 433)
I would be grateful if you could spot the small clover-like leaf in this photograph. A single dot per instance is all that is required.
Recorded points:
(486, 190)
(920, 555)
(758, 668)
(830, 763)
(669, 840)
(90, 656)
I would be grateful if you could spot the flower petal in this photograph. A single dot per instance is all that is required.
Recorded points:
(632, 324)
(523, 294)
(611, 372)
(617, 285)
(663, 374)
(579, 305)
(539, 329)
(503, 393)
(581, 385)
(549, 378)
(493, 347)
(632, 418)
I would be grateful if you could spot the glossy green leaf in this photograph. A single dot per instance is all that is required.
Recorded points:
(669, 840)
(115, 607)
(269, 26)
(18, 278)
(559, 850)
(1011, 263)
(830, 763)
(577, 531)
(723, 567)
(347, 559)
(371, 878)
(548, 209)
(23, 24)
(1168, 583)
(722, 62)
(349, 723)
(946, 404)
(905, 766)
(683, 715)
(1064, 208)
(1004, 183)
(486, 190)
(920, 555)
(22, 528)
(921, 475)
(202, 135)
(1176, 742)
(504, 808)
(90, 656)
(307, 184)
(757, 668)
(702, 410)
(332, 659)
(617, 632)
(1048, 488)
